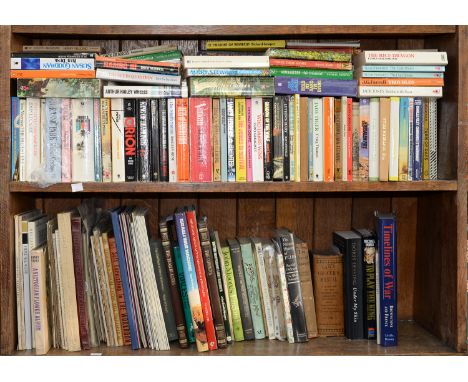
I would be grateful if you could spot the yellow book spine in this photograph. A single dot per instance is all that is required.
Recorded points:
(425, 164)
(297, 139)
(253, 45)
(240, 127)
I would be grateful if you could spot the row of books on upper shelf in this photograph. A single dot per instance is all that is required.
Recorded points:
(284, 138)
(89, 276)
(266, 68)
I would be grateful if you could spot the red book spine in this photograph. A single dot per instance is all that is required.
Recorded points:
(201, 162)
(349, 139)
(201, 279)
(79, 282)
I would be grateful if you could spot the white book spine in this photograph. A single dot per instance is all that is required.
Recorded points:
(112, 91)
(400, 57)
(400, 91)
(257, 139)
(22, 139)
(285, 296)
(137, 77)
(297, 134)
(410, 138)
(344, 138)
(172, 139)
(317, 122)
(374, 139)
(117, 135)
(292, 138)
(32, 137)
(433, 139)
(82, 140)
(394, 138)
(226, 62)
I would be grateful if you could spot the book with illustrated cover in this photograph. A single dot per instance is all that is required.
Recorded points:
(308, 55)
(231, 86)
(58, 87)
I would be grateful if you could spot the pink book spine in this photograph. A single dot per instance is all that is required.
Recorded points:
(349, 138)
(248, 109)
(66, 140)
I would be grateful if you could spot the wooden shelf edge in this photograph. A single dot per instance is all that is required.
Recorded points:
(229, 30)
(250, 187)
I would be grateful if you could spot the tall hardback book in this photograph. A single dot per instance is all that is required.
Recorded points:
(369, 249)
(211, 279)
(387, 323)
(251, 281)
(384, 138)
(349, 244)
(328, 288)
(201, 162)
(173, 283)
(241, 288)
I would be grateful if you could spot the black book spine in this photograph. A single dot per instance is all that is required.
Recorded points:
(130, 140)
(242, 296)
(163, 148)
(231, 146)
(267, 140)
(144, 138)
(294, 288)
(285, 125)
(277, 139)
(173, 284)
(353, 285)
(154, 108)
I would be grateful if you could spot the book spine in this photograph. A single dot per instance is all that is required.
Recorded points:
(294, 288)
(46, 49)
(283, 290)
(22, 140)
(211, 279)
(216, 144)
(15, 142)
(231, 86)
(297, 139)
(386, 231)
(52, 140)
(425, 140)
(400, 91)
(249, 45)
(226, 62)
(173, 284)
(376, 74)
(201, 162)
(145, 91)
(275, 295)
(58, 87)
(382, 57)
(45, 74)
(32, 137)
(328, 139)
(163, 142)
(292, 139)
(316, 86)
(278, 141)
(338, 129)
(97, 141)
(384, 138)
(364, 121)
(410, 137)
(241, 287)
(394, 138)
(83, 140)
(267, 139)
(226, 72)
(231, 145)
(190, 277)
(401, 82)
(355, 141)
(117, 135)
(106, 142)
(157, 56)
(171, 139)
(432, 139)
(403, 140)
(311, 73)
(201, 278)
(26, 287)
(369, 244)
(248, 146)
(317, 136)
(305, 151)
(155, 136)
(257, 139)
(286, 138)
(183, 294)
(374, 139)
(240, 139)
(182, 140)
(349, 140)
(51, 63)
(309, 55)
(286, 63)
(223, 138)
(136, 77)
(144, 139)
(131, 53)
(106, 63)
(130, 136)
(417, 137)
(402, 68)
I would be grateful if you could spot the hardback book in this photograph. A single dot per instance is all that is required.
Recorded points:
(349, 244)
(51, 284)
(223, 138)
(328, 289)
(277, 138)
(400, 57)
(328, 139)
(374, 137)
(58, 87)
(138, 77)
(387, 278)
(212, 281)
(257, 151)
(241, 288)
(267, 139)
(251, 281)
(312, 55)
(294, 63)
(201, 279)
(32, 138)
(216, 135)
(53, 140)
(400, 91)
(364, 120)
(240, 125)
(130, 140)
(144, 140)
(163, 141)
(142, 91)
(201, 163)
(171, 140)
(384, 138)
(229, 62)
(403, 125)
(182, 140)
(316, 86)
(418, 118)
(231, 140)
(355, 141)
(369, 248)
(432, 139)
(117, 139)
(231, 86)
(155, 146)
(316, 107)
(236, 318)
(106, 139)
(394, 140)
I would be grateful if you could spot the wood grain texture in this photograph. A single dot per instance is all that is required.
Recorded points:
(108, 46)
(58, 42)
(220, 210)
(364, 208)
(55, 204)
(256, 215)
(168, 203)
(135, 44)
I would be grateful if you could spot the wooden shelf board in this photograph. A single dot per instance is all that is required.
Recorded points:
(414, 340)
(194, 31)
(250, 187)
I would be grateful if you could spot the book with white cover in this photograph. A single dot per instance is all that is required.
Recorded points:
(400, 91)
(172, 139)
(374, 139)
(82, 140)
(257, 139)
(400, 57)
(222, 62)
(32, 138)
(137, 77)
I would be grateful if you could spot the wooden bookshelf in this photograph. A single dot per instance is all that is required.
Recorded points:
(431, 215)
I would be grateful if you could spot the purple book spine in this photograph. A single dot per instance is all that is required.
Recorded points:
(315, 86)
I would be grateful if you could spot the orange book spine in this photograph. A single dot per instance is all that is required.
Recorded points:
(401, 82)
(52, 74)
(328, 139)
(182, 140)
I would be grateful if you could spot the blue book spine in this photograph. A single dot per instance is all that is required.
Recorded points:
(134, 336)
(402, 68)
(310, 140)
(316, 86)
(227, 72)
(53, 140)
(387, 239)
(223, 137)
(417, 138)
(403, 140)
(402, 74)
(15, 137)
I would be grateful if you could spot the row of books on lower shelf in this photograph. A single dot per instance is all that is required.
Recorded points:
(284, 138)
(90, 276)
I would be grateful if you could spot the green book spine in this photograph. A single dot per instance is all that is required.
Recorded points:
(253, 292)
(231, 86)
(161, 56)
(238, 331)
(183, 294)
(312, 73)
(309, 55)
